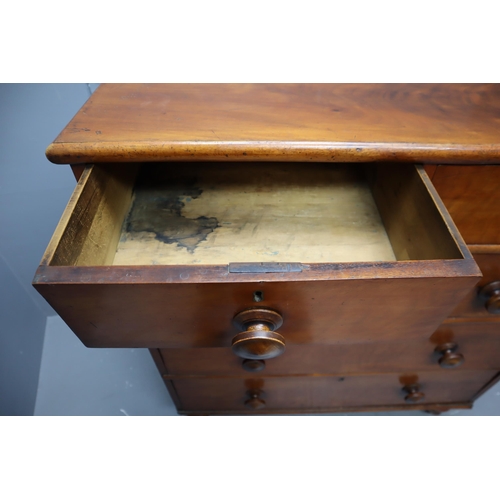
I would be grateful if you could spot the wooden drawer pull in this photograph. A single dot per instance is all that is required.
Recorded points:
(253, 365)
(450, 358)
(413, 394)
(258, 340)
(255, 401)
(491, 295)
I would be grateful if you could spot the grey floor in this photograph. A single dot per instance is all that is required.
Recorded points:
(75, 380)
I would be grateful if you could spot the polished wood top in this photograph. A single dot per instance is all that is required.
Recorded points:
(429, 123)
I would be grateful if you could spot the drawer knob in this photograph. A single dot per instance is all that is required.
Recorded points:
(255, 401)
(491, 294)
(258, 340)
(450, 358)
(413, 394)
(253, 365)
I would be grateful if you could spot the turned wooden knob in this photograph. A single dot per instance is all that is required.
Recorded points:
(450, 358)
(413, 394)
(255, 401)
(253, 365)
(258, 340)
(490, 293)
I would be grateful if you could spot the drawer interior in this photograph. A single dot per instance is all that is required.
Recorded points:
(222, 213)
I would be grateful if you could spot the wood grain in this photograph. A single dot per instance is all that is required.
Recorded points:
(418, 225)
(429, 123)
(479, 343)
(160, 365)
(283, 212)
(313, 393)
(473, 305)
(89, 230)
(104, 313)
(193, 305)
(355, 332)
(472, 196)
(287, 212)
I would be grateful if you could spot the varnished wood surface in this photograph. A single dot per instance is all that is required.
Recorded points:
(479, 343)
(472, 196)
(200, 314)
(313, 393)
(430, 123)
(78, 171)
(490, 384)
(472, 307)
(440, 124)
(432, 408)
(158, 360)
(193, 306)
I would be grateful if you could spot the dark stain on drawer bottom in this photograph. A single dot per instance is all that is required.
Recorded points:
(157, 208)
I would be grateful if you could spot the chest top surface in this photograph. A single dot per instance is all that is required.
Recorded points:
(427, 123)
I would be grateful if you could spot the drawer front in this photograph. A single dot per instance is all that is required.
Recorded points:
(200, 315)
(472, 196)
(483, 301)
(476, 344)
(186, 306)
(252, 395)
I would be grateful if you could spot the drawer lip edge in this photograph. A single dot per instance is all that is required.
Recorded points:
(453, 268)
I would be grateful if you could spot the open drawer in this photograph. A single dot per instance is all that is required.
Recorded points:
(166, 255)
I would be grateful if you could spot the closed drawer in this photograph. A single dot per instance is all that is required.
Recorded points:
(455, 346)
(253, 395)
(483, 301)
(472, 196)
(166, 255)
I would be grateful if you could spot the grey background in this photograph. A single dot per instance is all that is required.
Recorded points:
(33, 194)
(44, 369)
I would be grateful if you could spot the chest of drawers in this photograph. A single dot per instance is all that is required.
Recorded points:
(287, 248)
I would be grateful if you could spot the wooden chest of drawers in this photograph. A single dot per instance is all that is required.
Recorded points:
(285, 248)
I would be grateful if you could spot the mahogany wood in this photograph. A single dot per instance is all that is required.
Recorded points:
(413, 394)
(192, 306)
(253, 365)
(259, 340)
(258, 343)
(490, 293)
(160, 365)
(78, 171)
(429, 123)
(450, 358)
(432, 409)
(314, 393)
(327, 311)
(360, 335)
(255, 401)
(472, 196)
(491, 383)
(474, 305)
(416, 223)
(478, 343)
